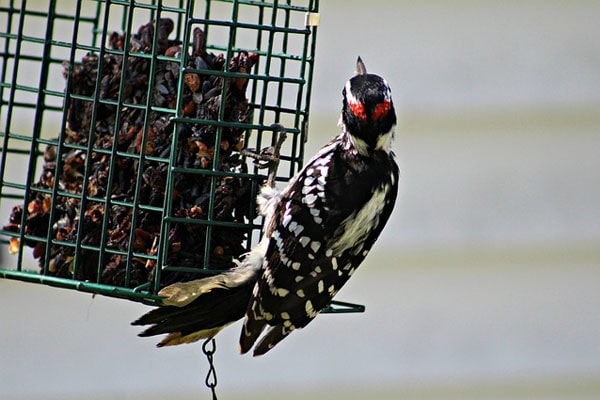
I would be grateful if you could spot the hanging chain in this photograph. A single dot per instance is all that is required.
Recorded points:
(269, 158)
(209, 347)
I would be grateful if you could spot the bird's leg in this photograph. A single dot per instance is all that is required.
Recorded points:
(269, 157)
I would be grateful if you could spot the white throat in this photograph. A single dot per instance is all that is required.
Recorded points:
(384, 141)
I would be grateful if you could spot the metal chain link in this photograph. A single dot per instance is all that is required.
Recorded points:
(209, 347)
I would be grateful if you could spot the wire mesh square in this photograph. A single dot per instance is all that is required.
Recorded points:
(122, 126)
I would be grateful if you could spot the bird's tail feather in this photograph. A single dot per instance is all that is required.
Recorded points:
(251, 330)
(200, 309)
(274, 335)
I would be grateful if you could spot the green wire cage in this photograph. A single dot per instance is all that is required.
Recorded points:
(124, 130)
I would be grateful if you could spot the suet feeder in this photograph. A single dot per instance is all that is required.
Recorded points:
(123, 132)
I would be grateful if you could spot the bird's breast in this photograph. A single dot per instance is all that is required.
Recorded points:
(355, 229)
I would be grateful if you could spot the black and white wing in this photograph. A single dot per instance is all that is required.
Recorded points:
(322, 227)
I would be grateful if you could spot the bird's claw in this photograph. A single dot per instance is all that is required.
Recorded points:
(269, 157)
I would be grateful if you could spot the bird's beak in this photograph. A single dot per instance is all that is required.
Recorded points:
(360, 67)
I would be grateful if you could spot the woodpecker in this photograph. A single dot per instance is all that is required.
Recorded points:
(317, 231)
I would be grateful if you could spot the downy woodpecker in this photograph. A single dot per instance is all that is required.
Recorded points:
(317, 231)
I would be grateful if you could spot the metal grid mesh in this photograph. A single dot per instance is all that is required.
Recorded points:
(58, 140)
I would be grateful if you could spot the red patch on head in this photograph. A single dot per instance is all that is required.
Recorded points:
(358, 109)
(381, 109)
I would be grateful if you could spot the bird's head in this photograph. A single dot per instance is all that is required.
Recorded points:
(368, 114)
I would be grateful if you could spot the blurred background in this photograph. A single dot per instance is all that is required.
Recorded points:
(486, 282)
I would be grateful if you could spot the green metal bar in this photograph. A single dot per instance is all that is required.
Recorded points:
(206, 18)
(254, 189)
(12, 95)
(82, 286)
(262, 3)
(245, 25)
(95, 22)
(219, 133)
(296, 147)
(36, 40)
(23, 88)
(90, 146)
(56, 186)
(140, 168)
(163, 247)
(308, 59)
(217, 173)
(282, 65)
(269, 56)
(28, 57)
(144, 6)
(44, 15)
(227, 124)
(209, 222)
(13, 185)
(127, 22)
(228, 74)
(11, 196)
